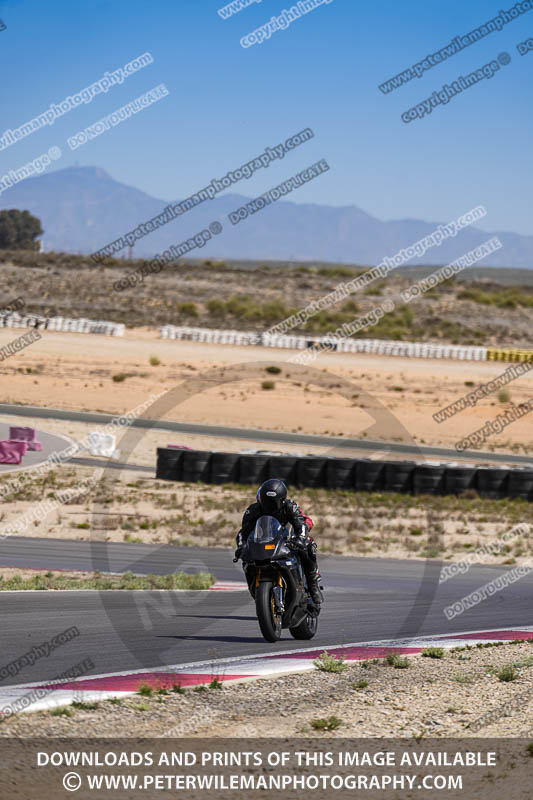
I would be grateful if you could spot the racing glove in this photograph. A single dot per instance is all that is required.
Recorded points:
(300, 541)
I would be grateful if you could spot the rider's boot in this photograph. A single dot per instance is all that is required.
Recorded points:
(313, 584)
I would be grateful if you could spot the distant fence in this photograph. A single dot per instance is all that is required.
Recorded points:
(14, 320)
(373, 346)
(364, 475)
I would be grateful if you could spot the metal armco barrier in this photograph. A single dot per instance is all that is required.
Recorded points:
(374, 346)
(363, 475)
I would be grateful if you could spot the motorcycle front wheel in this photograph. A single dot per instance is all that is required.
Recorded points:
(269, 620)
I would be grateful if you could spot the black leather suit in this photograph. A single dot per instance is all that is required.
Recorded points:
(289, 512)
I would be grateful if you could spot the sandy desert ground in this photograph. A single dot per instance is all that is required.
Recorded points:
(345, 395)
(340, 394)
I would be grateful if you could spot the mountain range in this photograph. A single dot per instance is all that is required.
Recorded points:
(83, 208)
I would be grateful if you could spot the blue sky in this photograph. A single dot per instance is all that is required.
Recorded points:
(227, 103)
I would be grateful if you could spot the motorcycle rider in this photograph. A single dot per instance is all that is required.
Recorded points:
(272, 500)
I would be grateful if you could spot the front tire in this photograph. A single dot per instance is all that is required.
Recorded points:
(269, 621)
(306, 629)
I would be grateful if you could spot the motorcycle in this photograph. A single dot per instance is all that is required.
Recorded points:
(277, 582)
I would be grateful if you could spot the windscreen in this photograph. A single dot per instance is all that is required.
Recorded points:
(266, 529)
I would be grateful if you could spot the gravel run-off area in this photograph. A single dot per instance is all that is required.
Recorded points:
(431, 697)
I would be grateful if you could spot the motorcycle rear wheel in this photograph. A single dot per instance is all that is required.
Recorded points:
(269, 621)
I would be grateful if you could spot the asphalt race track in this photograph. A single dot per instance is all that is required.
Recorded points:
(251, 434)
(366, 599)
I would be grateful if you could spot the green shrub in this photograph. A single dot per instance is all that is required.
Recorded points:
(507, 674)
(119, 377)
(462, 677)
(524, 662)
(361, 684)
(430, 552)
(433, 652)
(173, 580)
(154, 361)
(504, 396)
(274, 310)
(273, 370)
(188, 309)
(476, 296)
(510, 297)
(61, 711)
(241, 305)
(330, 663)
(350, 307)
(268, 385)
(329, 724)
(396, 661)
(216, 307)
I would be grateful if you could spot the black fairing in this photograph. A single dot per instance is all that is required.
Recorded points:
(267, 550)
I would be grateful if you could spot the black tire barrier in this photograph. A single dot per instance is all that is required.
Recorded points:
(364, 475)
(311, 472)
(340, 473)
(520, 484)
(253, 468)
(225, 467)
(369, 475)
(196, 466)
(459, 479)
(491, 482)
(399, 476)
(169, 464)
(283, 467)
(429, 479)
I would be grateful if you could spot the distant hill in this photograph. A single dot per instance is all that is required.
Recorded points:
(84, 208)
